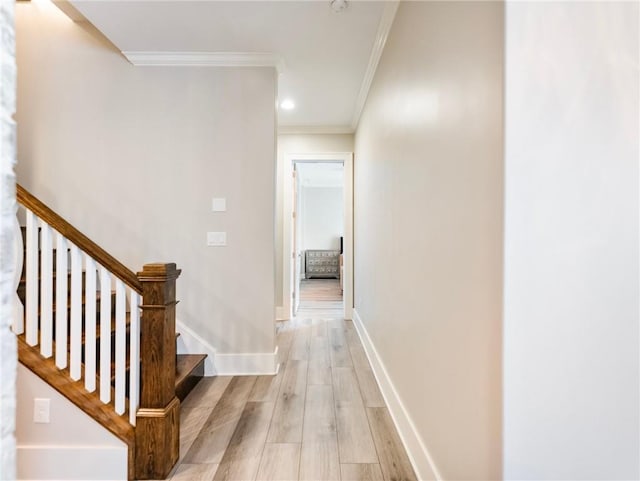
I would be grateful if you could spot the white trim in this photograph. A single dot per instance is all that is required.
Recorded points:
(384, 27)
(287, 280)
(205, 59)
(190, 342)
(281, 314)
(225, 364)
(314, 129)
(72, 462)
(419, 455)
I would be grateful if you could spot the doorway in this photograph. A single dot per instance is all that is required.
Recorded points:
(318, 233)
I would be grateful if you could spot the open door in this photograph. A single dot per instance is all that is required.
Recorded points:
(297, 253)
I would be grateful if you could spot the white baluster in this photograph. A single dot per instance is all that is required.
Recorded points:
(121, 341)
(134, 359)
(75, 357)
(46, 291)
(62, 299)
(18, 307)
(90, 325)
(32, 279)
(105, 335)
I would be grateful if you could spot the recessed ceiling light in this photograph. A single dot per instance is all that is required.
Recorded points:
(287, 104)
(339, 5)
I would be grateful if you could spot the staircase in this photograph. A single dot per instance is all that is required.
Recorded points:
(104, 337)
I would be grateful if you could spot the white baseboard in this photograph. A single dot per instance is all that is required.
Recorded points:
(191, 343)
(419, 456)
(216, 364)
(42, 462)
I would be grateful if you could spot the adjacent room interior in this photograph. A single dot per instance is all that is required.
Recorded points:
(318, 235)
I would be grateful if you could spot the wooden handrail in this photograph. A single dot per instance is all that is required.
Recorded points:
(78, 238)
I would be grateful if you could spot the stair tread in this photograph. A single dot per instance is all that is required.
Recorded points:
(187, 363)
(189, 372)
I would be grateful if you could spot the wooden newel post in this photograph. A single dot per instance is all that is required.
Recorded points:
(158, 418)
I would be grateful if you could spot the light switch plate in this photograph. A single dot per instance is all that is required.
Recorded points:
(219, 204)
(216, 239)
(41, 410)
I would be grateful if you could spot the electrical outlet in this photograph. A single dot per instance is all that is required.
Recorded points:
(41, 410)
(216, 239)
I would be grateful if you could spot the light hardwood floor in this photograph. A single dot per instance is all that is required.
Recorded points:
(322, 417)
(320, 290)
(320, 299)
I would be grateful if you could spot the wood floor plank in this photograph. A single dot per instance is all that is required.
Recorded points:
(368, 385)
(354, 436)
(319, 458)
(345, 386)
(339, 350)
(319, 372)
(361, 472)
(338, 323)
(355, 442)
(320, 361)
(358, 355)
(300, 347)
(280, 462)
(319, 461)
(353, 341)
(289, 411)
(207, 392)
(241, 459)
(319, 414)
(210, 444)
(319, 328)
(394, 461)
(266, 388)
(319, 349)
(191, 422)
(284, 340)
(320, 290)
(195, 472)
(369, 389)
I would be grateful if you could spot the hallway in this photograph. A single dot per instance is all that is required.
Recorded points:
(321, 417)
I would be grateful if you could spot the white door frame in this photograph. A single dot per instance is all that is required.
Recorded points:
(346, 158)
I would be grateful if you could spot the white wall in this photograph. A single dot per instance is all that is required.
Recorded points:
(299, 144)
(71, 446)
(428, 232)
(322, 217)
(133, 156)
(8, 357)
(571, 241)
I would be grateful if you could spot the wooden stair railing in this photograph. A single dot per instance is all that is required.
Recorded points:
(158, 428)
(94, 329)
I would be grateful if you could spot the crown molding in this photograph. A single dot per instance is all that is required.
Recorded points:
(314, 129)
(384, 27)
(205, 59)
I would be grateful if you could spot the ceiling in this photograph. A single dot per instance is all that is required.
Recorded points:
(326, 60)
